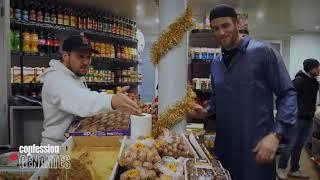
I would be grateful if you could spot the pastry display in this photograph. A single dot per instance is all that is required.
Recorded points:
(167, 177)
(138, 174)
(171, 168)
(14, 176)
(150, 108)
(173, 145)
(199, 170)
(140, 153)
(113, 120)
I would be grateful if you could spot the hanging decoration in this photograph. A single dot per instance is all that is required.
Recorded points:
(175, 113)
(172, 36)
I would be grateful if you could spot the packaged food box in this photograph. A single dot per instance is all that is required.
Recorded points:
(113, 123)
(202, 169)
(92, 157)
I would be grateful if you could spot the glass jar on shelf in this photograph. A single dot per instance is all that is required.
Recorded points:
(26, 42)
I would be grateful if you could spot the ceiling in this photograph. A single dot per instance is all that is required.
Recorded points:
(273, 17)
(266, 17)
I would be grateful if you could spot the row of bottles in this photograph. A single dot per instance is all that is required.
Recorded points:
(29, 74)
(32, 42)
(130, 75)
(94, 75)
(200, 53)
(46, 43)
(110, 50)
(203, 84)
(86, 19)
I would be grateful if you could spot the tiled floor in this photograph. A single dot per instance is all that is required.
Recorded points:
(308, 166)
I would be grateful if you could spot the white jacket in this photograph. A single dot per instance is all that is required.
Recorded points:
(64, 96)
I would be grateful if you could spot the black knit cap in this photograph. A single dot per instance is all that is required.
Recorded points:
(222, 10)
(310, 63)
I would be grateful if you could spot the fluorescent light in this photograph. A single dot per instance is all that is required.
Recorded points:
(260, 14)
(138, 8)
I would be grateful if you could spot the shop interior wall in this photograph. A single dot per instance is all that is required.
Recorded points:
(303, 46)
(285, 45)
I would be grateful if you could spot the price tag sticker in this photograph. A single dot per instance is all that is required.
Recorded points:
(172, 167)
(159, 144)
(133, 173)
(139, 145)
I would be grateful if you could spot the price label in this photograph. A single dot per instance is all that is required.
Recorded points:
(172, 167)
(159, 144)
(133, 173)
(139, 145)
(148, 137)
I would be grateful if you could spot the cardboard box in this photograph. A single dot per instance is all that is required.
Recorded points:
(101, 152)
(73, 131)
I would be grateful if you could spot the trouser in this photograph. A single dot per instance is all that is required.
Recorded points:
(294, 146)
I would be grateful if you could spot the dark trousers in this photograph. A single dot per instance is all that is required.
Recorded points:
(294, 146)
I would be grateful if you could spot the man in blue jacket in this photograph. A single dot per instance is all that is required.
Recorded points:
(246, 76)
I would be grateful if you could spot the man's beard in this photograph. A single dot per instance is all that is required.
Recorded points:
(234, 39)
(77, 73)
(314, 75)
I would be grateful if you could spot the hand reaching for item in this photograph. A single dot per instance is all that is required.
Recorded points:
(198, 112)
(122, 102)
(266, 149)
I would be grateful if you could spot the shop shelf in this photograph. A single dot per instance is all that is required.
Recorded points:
(99, 63)
(202, 91)
(98, 60)
(41, 25)
(202, 31)
(202, 38)
(26, 84)
(26, 107)
(36, 55)
(201, 61)
(109, 62)
(88, 83)
(103, 84)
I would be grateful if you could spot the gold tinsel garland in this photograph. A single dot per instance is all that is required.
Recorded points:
(175, 113)
(172, 37)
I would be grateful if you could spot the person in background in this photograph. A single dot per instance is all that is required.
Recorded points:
(65, 94)
(307, 88)
(246, 76)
